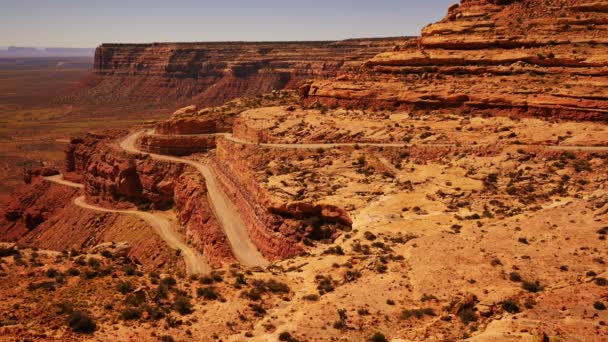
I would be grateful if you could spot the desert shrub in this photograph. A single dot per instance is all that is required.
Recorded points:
(599, 306)
(125, 287)
(417, 313)
(276, 286)
(130, 270)
(80, 261)
(285, 336)
(47, 285)
(257, 309)
(167, 338)
(325, 284)
(363, 311)
(532, 286)
(335, 250)
(252, 294)
(529, 303)
(93, 262)
(369, 236)
(601, 281)
(206, 280)
(350, 276)
(51, 273)
(377, 337)
(64, 308)
(182, 305)
(154, 312)
(168, 281)
(130, 314)
(208, 293)
(311, 297)
(467, 315)
(73, 272)
(510, 306)
(8, 251)
(136, 299)
(515, 277)
(81, 323)
(107, 254)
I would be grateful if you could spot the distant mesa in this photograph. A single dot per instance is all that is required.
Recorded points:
(30, 52)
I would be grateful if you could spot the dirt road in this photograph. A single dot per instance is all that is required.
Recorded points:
(160, 222)
(230, 137)
(226, 212)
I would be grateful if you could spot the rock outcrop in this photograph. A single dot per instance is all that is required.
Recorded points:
(176, 145)
(514, 57)
(213, 73)
(278, 229)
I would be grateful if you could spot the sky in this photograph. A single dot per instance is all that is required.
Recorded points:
(88, 23)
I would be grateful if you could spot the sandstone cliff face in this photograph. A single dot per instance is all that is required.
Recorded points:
(213, 73)
(277, 228)
(517, 57)
(80, 150)
(176, 145)
(197, 218)
(116, 176)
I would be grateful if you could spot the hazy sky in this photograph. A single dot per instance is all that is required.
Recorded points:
(87, 23)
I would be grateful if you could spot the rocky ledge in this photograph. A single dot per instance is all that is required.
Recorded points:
(213, 73)
(518, 58)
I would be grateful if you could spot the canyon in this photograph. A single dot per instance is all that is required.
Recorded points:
(452, 186)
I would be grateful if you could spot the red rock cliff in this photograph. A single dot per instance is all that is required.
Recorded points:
(527, 57)
(213, 73)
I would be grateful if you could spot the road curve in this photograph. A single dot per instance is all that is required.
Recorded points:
(195, 262)
(226, 212)
(59, 180)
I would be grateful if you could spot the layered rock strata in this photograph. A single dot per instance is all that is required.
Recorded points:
(197, 218)
(213, 73)
(278, 229)
(514, 57)
(176, 145)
